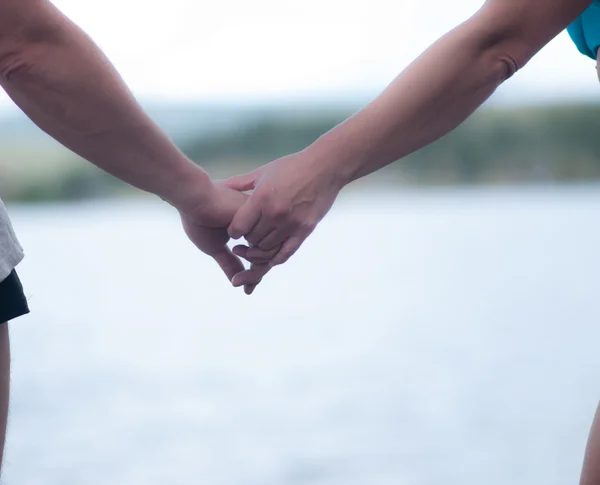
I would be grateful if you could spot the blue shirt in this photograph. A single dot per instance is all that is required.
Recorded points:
(585, 30)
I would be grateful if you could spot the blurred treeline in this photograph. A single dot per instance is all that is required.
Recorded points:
(533, 145)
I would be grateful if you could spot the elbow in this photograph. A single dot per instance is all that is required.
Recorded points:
(502, 47)
(504, 59)
(496, 66)
(507, 50)
(506, 66)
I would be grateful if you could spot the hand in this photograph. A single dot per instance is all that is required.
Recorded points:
(290, 197)
(206, 226)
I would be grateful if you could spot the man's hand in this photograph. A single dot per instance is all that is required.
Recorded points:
(290, 197)
(206, 226)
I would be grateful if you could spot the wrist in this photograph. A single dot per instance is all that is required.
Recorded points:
(336, 159)
(189, 188)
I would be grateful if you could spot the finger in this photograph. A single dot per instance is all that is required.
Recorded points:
(241, 251)
(251, 276)
(243, 182)
(260, 272)
(244, 220)
(229, 263)
(249, 288)
(273, 240)
(262, 229)
(254, 255)
(288, 249)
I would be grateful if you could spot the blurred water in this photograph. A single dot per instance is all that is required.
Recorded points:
(446, 337)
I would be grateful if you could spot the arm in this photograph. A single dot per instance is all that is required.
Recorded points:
(590, 474)
(4, 385)
(436, 93)
(445, 85)
(61, 80)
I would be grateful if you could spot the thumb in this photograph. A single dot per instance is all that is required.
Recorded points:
(244, 219)
(243, 182)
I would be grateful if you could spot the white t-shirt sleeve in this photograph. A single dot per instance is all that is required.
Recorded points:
(11, 252)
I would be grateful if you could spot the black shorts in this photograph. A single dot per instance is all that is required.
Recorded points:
(13, 303)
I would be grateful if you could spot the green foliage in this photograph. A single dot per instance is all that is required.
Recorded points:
(511, 146)
(264, 138)
(533, 145)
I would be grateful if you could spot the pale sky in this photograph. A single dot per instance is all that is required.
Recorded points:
(277, 50)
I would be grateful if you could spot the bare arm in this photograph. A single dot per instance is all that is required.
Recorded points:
(445, 84)
(62, 81)
(590, 474)
(436, 93)
(4, 385)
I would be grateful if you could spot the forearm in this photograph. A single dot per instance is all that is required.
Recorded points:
(430, 98)
(64, 83)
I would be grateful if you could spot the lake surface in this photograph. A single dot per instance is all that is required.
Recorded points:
(429, 338)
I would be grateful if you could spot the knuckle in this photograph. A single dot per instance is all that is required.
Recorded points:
(277, 208)
(260, 198)
(252, 240)
(306, 226)
(283, 259)
(276, 260)
(286, 254)
(264, 248)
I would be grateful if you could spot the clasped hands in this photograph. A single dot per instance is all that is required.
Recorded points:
(288, 198)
